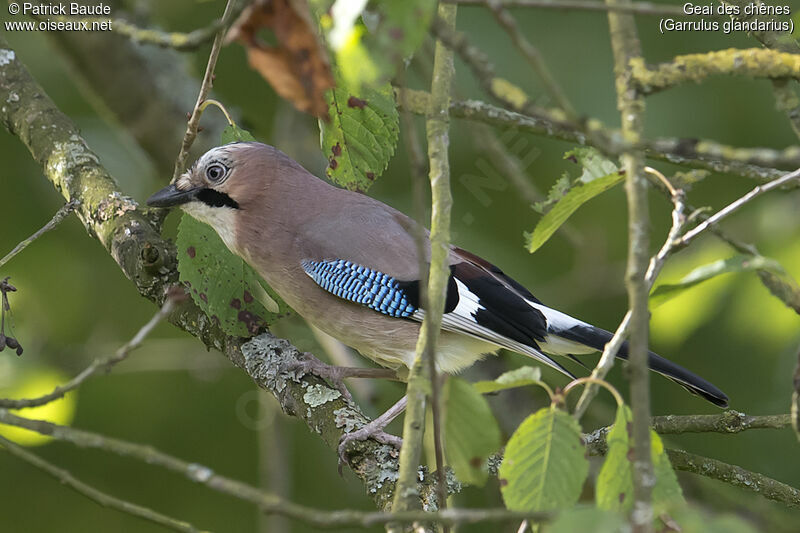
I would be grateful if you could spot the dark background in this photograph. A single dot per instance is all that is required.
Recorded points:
(74, 304)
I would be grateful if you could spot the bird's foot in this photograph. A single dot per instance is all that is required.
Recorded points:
(369, 431)
(332, 374)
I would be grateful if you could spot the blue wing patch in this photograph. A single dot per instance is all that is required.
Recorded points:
(362, 285)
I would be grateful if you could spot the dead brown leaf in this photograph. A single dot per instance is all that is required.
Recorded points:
(296, 65)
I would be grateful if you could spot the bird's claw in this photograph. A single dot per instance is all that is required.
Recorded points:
(332, 374)
(366, 432)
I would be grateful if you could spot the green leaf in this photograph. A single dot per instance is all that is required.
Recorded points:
(361, 135)
(521, 377)
(221, 283)
(737, 263)
(233, 133)
(545, 466)
(471, 432)
(369, 55)
(595, 165)
(585, 518)
(615, 480)
(693, 520)
(556, 193)
(576, 197)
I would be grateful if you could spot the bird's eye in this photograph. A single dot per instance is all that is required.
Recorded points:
(215, 172)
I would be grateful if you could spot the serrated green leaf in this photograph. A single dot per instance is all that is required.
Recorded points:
(615, 480)
(585, 518)
(471, 432)
(520, 377)
(233, 133)
(221, 283)
(595, 165)
(737, 263)
(576, 197)
(545, 466)
(360, 138)
(556, 193)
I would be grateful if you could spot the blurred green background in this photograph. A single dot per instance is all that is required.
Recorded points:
(74, 305)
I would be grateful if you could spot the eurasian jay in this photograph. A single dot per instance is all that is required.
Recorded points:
(348, 264)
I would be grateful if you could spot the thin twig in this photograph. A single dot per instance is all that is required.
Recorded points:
(60, 215)
(734, 206)
(205, 88)
(532, 55)
(423, 373)
(638, 8)
(104, 363)
(66, 478)
(265, 501)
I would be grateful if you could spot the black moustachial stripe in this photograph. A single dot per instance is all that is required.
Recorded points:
(214, 198)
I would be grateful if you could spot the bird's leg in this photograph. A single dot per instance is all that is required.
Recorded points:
(374, 430)
(336, 374)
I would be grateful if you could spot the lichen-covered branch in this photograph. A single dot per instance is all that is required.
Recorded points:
(693, 153)
(736, 476)
(751, 62)
(66, 478)
(630, 102)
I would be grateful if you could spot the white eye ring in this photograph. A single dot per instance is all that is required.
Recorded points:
(216, 172)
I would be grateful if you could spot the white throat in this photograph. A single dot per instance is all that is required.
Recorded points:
(222, 219)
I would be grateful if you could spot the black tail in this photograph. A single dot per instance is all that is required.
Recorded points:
(597, 338)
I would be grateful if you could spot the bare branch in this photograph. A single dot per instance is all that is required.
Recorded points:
(734, 206)
(66, 478)
(60, 215)
(735, 475)
(205, 88)
(104, 364)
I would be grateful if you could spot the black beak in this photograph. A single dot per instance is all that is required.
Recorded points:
(171, 196)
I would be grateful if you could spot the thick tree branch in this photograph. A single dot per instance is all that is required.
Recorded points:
(752, 62)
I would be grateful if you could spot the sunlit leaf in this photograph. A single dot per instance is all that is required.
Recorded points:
(737, 263)
(361, 136)
(615, 480)
(225, 287)
(544, 466)
(563, 209)
(595, 165)
(520, 377)
(471, 432)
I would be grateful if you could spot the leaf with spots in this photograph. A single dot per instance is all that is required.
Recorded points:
(545, 465)
(222, 284)
(471, 433)
(361, 136)
(615, 480)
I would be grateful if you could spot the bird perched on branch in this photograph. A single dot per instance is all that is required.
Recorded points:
(349, 265)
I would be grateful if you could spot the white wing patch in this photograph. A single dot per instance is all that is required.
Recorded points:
(462, 320)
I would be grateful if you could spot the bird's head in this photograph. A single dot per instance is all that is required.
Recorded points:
(217, 187)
